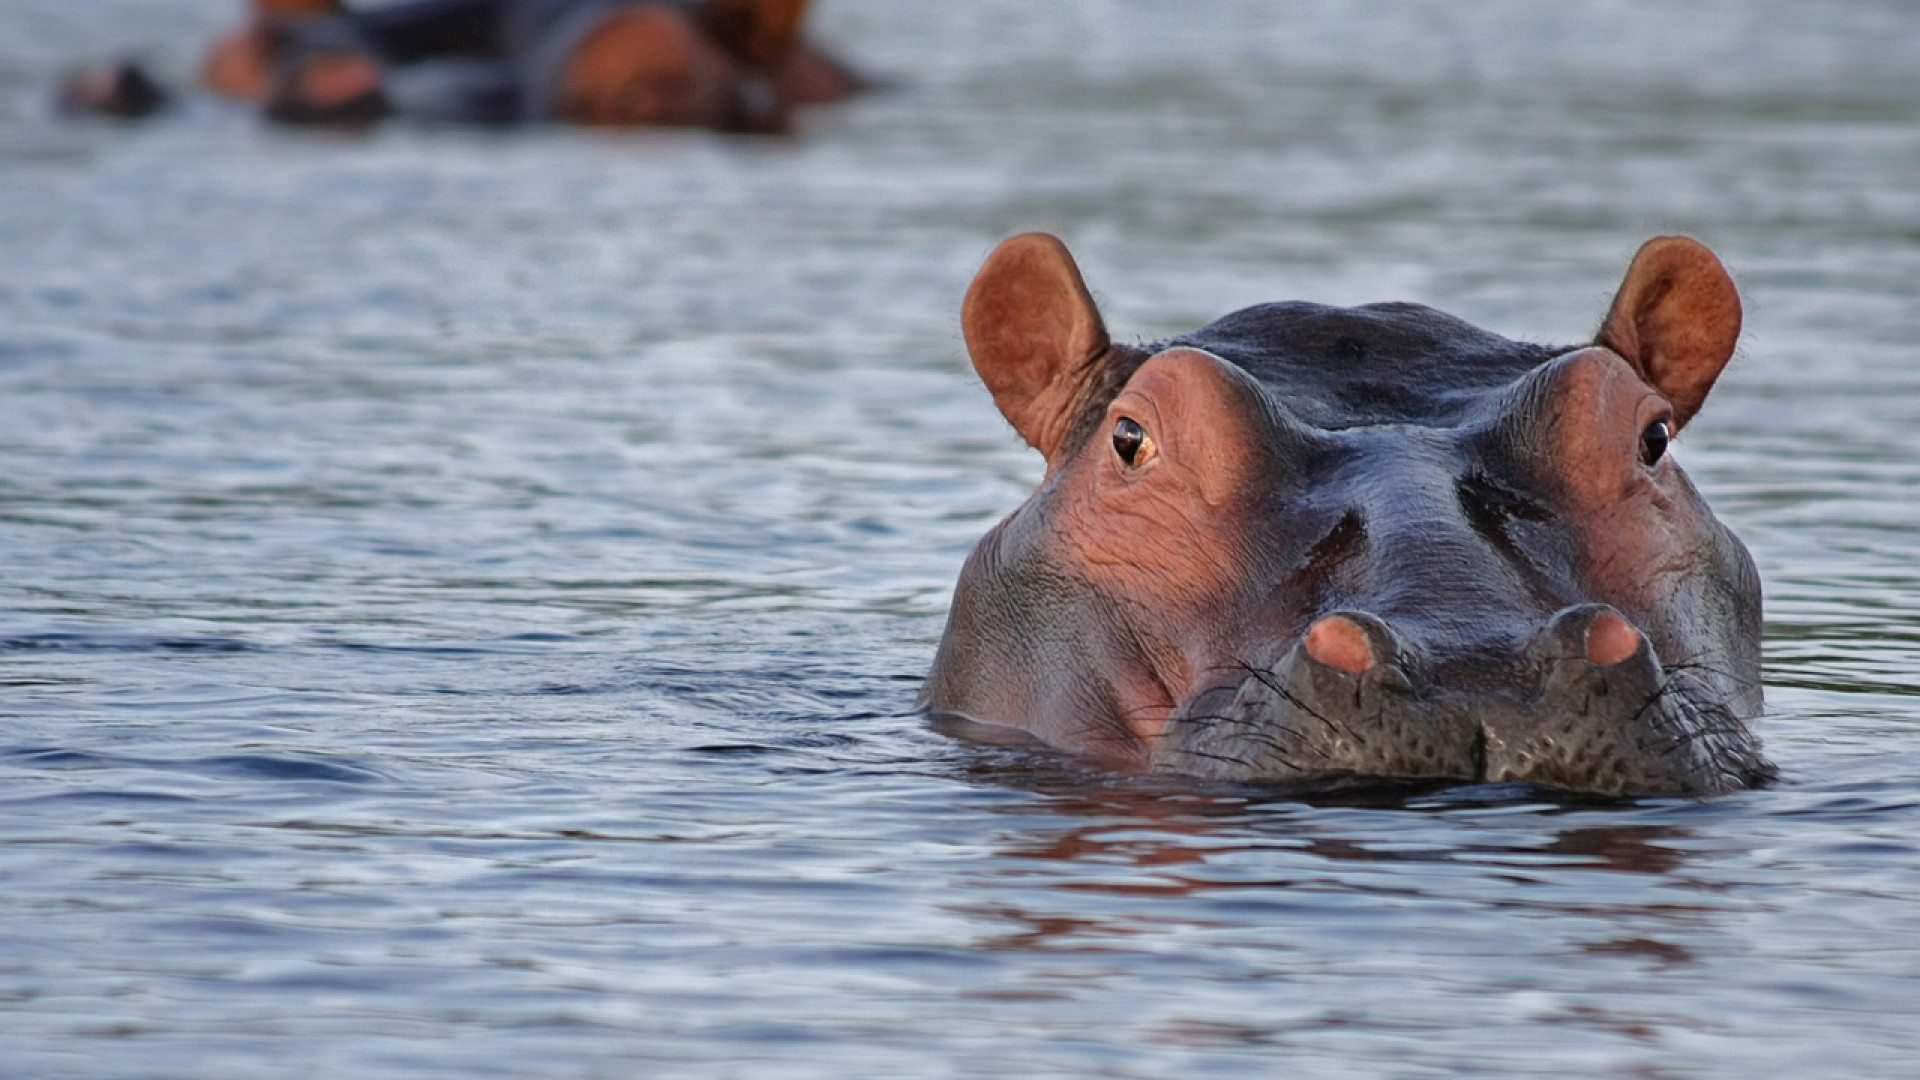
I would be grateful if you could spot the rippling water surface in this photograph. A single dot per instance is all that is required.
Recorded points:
(462, 594)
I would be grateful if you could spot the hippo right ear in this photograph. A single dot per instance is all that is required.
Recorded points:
(1035, 336)
(1676, 320)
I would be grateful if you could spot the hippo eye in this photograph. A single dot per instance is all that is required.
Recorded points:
(1653, 443)
(1132, 442)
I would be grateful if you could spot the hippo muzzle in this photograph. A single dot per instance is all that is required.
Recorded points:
(1317, 546)
(1586, 706)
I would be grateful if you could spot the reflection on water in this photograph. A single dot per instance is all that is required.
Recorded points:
(463, 594)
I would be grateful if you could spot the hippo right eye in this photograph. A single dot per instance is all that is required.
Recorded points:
(1653, 443)
(1132, 442)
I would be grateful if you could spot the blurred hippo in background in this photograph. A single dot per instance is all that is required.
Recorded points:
(731, 65)
(1318, 547)
(119, 88)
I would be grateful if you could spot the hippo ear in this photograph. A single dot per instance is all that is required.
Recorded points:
(1035, 336)
(1675, 319)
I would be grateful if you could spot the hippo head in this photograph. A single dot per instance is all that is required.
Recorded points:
(121, 89)
(1316, 546)
(650, 64)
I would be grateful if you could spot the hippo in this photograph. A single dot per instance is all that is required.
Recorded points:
(121, 89)
(731, 65)
(734, 65)
(1316, 547)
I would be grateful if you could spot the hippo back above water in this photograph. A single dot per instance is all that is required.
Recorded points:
(1316, 546)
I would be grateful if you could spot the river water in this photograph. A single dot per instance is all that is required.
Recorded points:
(462, 594)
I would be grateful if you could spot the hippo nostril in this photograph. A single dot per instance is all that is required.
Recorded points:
(1611, 639)
(1339, 642)
(1595, 634)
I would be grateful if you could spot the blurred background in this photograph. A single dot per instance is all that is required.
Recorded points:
(462, 592)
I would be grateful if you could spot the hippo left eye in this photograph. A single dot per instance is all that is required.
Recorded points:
(1653, 443)
(1132, 442)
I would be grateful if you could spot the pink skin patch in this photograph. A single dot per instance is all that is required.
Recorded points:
(1611, 640)
(1339, 642)
(332, 78)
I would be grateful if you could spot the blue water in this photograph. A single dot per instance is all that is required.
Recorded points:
(462, 595)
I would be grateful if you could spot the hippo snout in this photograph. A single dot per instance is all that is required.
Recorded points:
(1584, 704)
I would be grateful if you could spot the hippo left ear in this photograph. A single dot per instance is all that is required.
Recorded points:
(1676, 320)
(1035, 336)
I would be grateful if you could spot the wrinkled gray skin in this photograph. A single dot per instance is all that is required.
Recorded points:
(1360, 544)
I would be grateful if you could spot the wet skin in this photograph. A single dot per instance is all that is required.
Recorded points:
(1316, 546)
(735, 65)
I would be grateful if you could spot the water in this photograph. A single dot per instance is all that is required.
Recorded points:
(462, 594)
